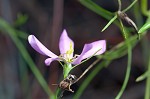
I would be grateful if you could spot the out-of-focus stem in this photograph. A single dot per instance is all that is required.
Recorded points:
(147, 90)
(144, 7)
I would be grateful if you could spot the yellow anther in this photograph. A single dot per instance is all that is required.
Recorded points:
(70, 51)
(67, 57)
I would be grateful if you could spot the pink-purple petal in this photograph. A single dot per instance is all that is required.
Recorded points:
(64, 43)
(39, 47)
(90, 49)
(49, 60)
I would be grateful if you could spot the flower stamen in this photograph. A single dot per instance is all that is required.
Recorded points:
(67, 57)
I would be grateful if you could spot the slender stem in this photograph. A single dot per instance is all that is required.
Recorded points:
(115, 17)
(147, 90)
(97, 9)
(128, 65)
(109, 23)
(143, 76)
(130, 6)
(127, 73)
(144, 7)
(123, 30)
(119, 3)
(94, 63)
(66, 69)
(61, 63)
(57, 93)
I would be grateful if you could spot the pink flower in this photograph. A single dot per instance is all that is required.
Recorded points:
(66, 47)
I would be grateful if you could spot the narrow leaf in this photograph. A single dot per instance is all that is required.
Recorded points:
(143, 76)
(145, 27)
(109, 23)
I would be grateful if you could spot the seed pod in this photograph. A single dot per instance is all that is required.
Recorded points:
(125, 17)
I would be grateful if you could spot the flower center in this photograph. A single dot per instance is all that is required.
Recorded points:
(68, 56)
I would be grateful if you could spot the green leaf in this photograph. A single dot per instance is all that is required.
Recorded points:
(145, 27)
(143, 76)
(21, 19)
(109, 23)
(96, 8)
(144, 7)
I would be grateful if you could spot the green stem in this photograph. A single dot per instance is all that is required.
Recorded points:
(119, 3)
(67, 68)
(128, 65)
(115, 17)
(130, 6)
(147, 90)
(57, 93)
(109, 23)
(123, 30)
(143, 76)
(144, 7)
(97, 9)
(127, 73)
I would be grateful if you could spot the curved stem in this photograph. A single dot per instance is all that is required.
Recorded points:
(94, 63)
(127, 73)
(144, 7)
(119, 3)
(128, 66)
(147, 90)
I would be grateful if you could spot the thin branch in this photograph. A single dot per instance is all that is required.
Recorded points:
(119, 3)
(88, 69)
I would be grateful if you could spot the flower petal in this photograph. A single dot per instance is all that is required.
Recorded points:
(91, 49)
(65, 42)
(39, 47)
(49, 60)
